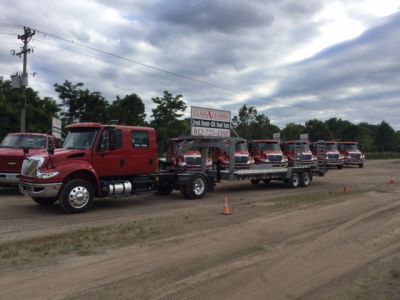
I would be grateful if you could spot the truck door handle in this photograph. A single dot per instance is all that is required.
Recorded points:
(122, 163)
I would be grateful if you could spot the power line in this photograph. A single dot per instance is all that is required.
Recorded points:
(134, 61)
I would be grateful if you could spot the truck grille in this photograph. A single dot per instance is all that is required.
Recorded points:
(356, 156)
(333, 156)
(10, 164)
(192, 161)
(241, 159)
(30, 167)
(306, 157)
(274, 157)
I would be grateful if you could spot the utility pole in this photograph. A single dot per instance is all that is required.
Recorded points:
(26, 37)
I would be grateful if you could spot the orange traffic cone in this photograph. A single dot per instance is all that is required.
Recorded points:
(391, 181)
(345, 189)
(227, 210)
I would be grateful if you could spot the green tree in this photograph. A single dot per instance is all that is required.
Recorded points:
(81, 105)
(249, 124)
(166, 116)
(128, 110)
(39, 111)
(317, 130)
(385, 137)
(292, 131)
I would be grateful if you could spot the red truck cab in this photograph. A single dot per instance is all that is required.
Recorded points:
(328, 153)
(352, 154)
(298, 153)
(12, 153)
(188, 159)
(243, 159)
(267, 152)
(96, 160)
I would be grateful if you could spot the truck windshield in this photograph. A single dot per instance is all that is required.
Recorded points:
(241, 147)
(269, 147)
(302, 147)
(24, 140)
(82, 138)
(331, 147)
(349, 147)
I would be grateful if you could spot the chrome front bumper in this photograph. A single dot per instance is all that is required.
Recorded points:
(353, 161)
(49, 190)
(9, 178)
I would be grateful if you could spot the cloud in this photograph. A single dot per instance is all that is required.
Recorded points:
(244, 50)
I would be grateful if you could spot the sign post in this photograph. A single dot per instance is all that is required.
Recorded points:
(56, 128)
(210, 122)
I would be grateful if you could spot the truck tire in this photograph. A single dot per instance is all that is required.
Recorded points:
(305, 179)
(340, 167)
(44, 201)
(77, 196)
(255, 181)
(196, 187)
(266, 181)
(361, 165)
(294, 180)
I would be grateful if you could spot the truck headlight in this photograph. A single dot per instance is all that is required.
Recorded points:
(46, 175)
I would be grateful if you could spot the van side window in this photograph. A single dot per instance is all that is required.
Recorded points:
(140, 139)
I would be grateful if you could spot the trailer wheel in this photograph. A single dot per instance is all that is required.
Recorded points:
(255, 181)
(305, 179)
(294, 180)
(77, 196)
(197, 187)
(44, 201)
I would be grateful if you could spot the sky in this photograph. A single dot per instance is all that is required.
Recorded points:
(292, 60)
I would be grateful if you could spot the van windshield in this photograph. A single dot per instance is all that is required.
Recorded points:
(82, 138)
(331, 147)
(269, 147)
(349, 147)
(23, 140)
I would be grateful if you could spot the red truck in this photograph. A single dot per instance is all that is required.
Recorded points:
(12, 153)
(187, 160)
(327, 152)
(243, 159)
(299, 153)
(113, 160)
(352, 154)
(267, 152)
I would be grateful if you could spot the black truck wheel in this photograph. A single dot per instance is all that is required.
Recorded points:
(77, 196)
(266, 181)
(361, 165)
(340, 167)
(294, 180)
(44, 201)
(255, 181)
(196, 188)
(305, 179)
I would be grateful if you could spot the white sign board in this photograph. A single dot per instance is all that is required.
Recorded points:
(56, 128)
(210, 122)
(276, 136)
(304, 136)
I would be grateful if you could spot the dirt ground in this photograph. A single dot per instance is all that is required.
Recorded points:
(280, 243)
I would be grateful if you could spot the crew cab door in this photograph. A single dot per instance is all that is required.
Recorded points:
(109, 157)
(142, 152)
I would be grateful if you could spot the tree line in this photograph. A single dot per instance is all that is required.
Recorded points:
(79, 104)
